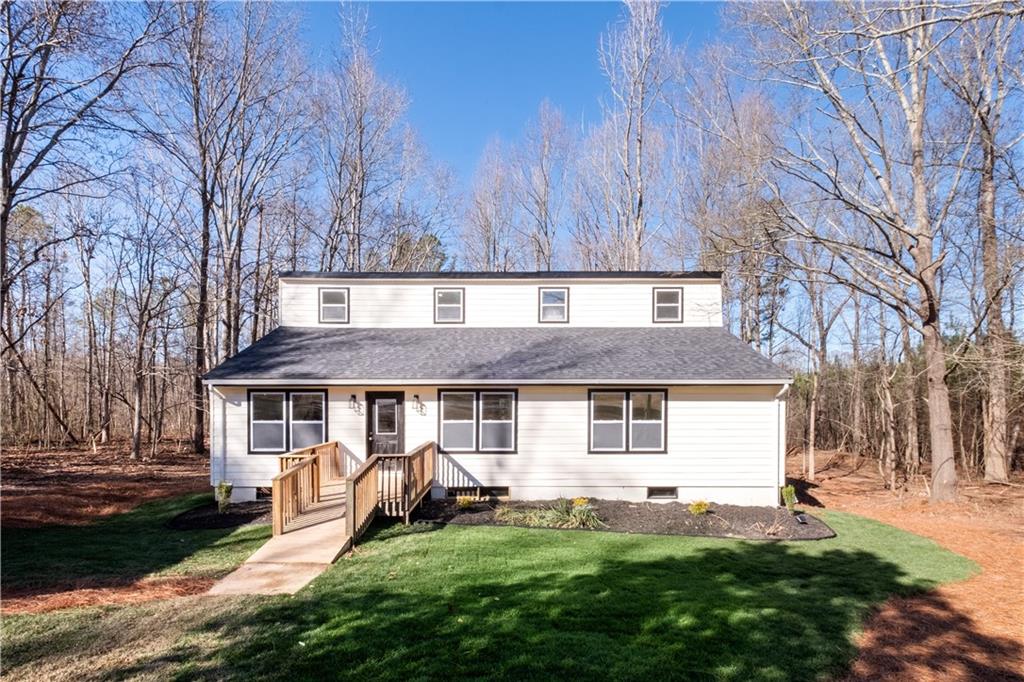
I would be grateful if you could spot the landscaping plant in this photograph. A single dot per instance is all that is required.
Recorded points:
(223, 496)
(789, 498)
(699, 507)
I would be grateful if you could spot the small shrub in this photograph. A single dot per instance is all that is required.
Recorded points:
(699, 507)
(562, 514)
(464, 501)
(789, 497)
(223, 496)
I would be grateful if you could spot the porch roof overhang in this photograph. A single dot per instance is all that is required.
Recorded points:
(487, 356)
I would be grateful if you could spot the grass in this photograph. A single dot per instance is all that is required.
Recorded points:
(124, 548)
(441, 602)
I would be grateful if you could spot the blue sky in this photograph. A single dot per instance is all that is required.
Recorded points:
(479, 70)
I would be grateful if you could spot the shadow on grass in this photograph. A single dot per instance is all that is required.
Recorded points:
(118, 550)
(538, 604)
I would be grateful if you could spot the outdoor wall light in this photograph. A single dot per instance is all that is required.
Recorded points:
(353, 404)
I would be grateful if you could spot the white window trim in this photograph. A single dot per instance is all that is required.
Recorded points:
(461, 305)
(282, 421)
(376, 416)
(678, 304)
(660, 422)
(564, 306)
(344, 305)
(512, 421)
(472, 422)
(293, 421)
(593, 420)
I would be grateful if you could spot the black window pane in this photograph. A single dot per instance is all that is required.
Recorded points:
(307, 407)
(457, 436)
(553, 296)
(449, 297)
(457, 407)
(646, 437)
(667, 296)
(647, 406)
(267, 407)
(550, 313)
(305, 435)
(608, 407)
(496, 406)
(607, 437)
(334, 297)
(387, 416)
(495, 436)
(449, 313)
(334, 313)
(268, 436)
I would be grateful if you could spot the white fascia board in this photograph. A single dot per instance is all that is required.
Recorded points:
(497, 382)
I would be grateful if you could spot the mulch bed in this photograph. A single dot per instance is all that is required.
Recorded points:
(669, 518)
(208, 516)
(76, 485)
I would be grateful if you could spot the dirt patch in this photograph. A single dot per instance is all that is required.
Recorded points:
(209, 516)
(75, 486)
(669, 518)
(969, 630)
(102, 594)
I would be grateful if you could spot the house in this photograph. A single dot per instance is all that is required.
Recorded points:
(620, 385)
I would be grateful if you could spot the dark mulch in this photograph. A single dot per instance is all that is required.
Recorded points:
(207, 516)
(669, 518)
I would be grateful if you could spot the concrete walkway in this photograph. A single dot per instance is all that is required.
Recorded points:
(288, 562)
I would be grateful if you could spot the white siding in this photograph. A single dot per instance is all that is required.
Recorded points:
(500, 303)
(722, 445)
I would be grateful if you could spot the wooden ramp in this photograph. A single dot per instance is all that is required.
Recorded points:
(318, 514)
(289, 561)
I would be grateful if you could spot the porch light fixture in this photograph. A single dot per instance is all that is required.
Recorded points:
(418, 405)
(353, 404)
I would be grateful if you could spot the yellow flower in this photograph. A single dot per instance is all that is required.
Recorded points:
(580, 502)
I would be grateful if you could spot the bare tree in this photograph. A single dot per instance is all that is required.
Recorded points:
(540, 183)
(65, 66)
(489, 234)
(871, 67)
(977, 66)
(358, 113)
(618, 192)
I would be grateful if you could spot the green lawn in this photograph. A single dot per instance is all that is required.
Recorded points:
(124, 548)
(461, 602)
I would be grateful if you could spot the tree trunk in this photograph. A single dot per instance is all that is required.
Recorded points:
(940, 419)
(995, 408)
(202, 306)
(812, 418)
(912, 454)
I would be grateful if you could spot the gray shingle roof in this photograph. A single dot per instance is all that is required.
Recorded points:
(546, 274)
(562, 355)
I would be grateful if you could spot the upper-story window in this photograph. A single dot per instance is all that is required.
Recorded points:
(668, 304)
(554, 305)
(449, 306)
(334, 306)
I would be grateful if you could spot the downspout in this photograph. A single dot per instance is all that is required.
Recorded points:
(223, 432)
(780, 425)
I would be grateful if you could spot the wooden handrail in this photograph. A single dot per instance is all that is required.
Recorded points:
(298, 485)
(392, 484)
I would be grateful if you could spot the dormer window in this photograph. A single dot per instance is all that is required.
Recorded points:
(334, 306)
(449, 306)
(554, 305)
(668, 304)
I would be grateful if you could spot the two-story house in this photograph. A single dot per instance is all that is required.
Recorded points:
(617, 385)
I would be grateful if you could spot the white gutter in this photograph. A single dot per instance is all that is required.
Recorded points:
(780, 425)
(223, 430)
(639, 381)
